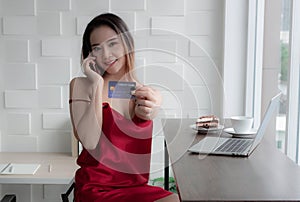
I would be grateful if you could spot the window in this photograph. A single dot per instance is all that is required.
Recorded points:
(273, 64)
(288, 117)
(293, 84)
(283, 73)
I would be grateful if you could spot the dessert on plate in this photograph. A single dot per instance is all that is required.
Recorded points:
(209, 121)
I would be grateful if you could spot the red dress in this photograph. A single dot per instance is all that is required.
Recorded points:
(118, 169)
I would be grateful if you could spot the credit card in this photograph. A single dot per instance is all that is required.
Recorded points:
(121, 89)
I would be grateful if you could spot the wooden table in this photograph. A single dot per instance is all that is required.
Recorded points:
(266, 175)
(56, 168)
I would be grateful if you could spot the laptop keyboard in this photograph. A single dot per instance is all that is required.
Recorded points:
(234, 145)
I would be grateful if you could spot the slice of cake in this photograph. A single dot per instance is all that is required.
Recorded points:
(210, 121)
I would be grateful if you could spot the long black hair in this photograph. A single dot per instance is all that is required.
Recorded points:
(119, 26)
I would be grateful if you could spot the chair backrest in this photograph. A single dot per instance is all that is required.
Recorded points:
(9, 198)
(65, 196)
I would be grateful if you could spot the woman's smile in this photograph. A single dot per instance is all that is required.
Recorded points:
(110, 63)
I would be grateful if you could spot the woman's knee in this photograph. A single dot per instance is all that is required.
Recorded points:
(170, 198)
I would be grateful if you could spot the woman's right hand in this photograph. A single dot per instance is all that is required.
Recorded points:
(89, 69)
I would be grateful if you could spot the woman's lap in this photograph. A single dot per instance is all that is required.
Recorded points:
(145, 193)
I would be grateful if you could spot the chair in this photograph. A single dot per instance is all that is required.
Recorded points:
(9, 198)
(76, 149)
(65, 196)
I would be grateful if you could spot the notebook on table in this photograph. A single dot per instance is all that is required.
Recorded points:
(18, 169)
(236, 146)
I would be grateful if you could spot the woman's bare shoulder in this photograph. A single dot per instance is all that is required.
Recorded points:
(79, 88)
(79, 82)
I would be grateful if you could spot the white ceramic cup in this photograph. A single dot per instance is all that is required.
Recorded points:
(241, 124)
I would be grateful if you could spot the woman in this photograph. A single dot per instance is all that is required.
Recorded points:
(115, 133)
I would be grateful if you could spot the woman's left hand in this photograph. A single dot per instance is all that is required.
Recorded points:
(148, 102)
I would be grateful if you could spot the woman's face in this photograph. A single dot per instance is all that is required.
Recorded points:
(108, 49)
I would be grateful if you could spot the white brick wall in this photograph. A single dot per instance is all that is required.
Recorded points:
(56, 47)
(21, 120)
(167, 25)
(17, 7)
(128, 5)
(16, 50)
(19, 25)
(24, 73)
(158, 7)
(40, 54)
(21, 99)
(53, 5)
(49, 23)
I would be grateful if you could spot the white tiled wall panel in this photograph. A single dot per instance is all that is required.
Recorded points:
(129, 18)
(190, 98)
(128, 5)
(56, 47)
(17, 50)
(197, 5)
(202, 19)
(59, 142)
(58, 121)
(170, 76)
(202, 96)
(166, 7)
(139, 69)
(17, 7)
(81, 23)
(49, 23)
(161, 51)
(93, 7)
(194, 74)
(50, 97)
(54, 70)
(24, 76)
(19, 25)
(201, 71)
(18, 143)
(171, 113)
(215, 93)
(172, 100)
(200, 46)
(19, 123)
(53, 5)
(21, 99)
(167, 25)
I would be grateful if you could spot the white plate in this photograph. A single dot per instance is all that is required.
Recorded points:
(250, 133)
(206, 130)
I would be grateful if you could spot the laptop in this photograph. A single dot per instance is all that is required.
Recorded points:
(236, 146)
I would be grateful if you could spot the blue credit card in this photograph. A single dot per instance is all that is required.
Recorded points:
(121, 89)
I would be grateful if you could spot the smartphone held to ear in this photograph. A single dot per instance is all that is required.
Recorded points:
(93, 66)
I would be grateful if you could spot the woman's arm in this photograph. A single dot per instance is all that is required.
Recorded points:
(86, 108)
(148, 102)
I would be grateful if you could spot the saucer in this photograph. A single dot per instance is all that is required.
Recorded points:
(250, 133)
(206, 130)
